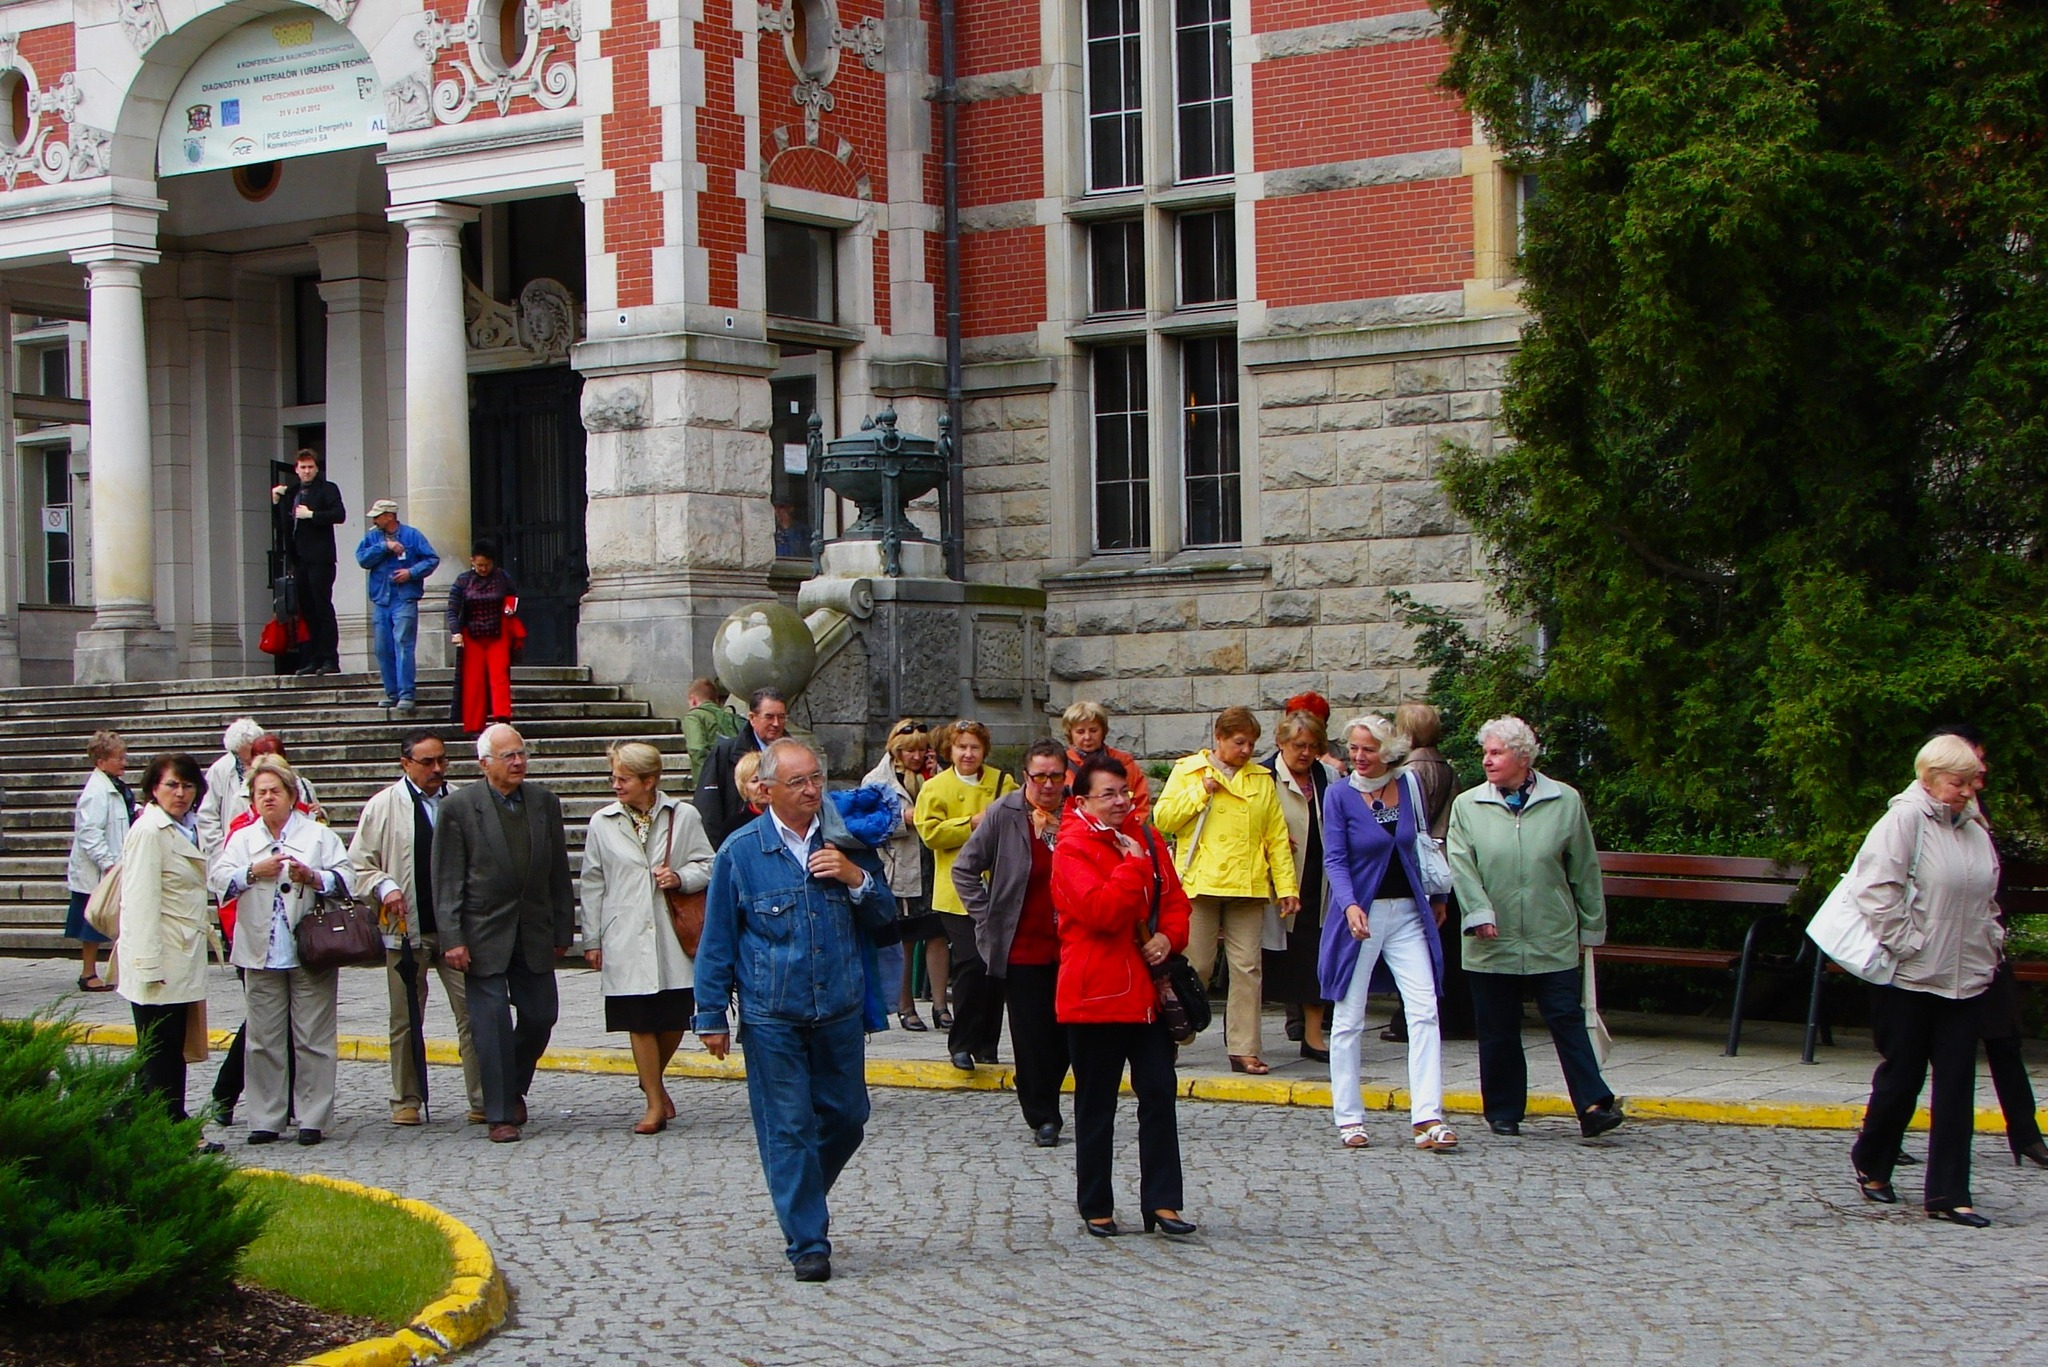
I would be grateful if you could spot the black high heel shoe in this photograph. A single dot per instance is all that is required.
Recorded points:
(1101, 1229)
(2036, 1153)
(1167, 1224)
(1880, 1192)
(1968, 1219)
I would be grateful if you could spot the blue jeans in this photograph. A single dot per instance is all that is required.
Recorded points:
(395, 628)
(1504, 1068)
(807, 1087)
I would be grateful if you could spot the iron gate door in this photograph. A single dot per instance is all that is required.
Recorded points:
(526, 469)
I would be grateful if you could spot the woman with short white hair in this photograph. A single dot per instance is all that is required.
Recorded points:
(1370, 823)
(1527, 876)
(1924, 880)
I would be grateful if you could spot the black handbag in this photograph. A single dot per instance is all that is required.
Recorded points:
(1183, 1000)
(339, 932)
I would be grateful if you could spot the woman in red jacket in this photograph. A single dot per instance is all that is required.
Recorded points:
(1121, 912)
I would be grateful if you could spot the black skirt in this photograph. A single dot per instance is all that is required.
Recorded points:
(651, 1013)
(1290, 976)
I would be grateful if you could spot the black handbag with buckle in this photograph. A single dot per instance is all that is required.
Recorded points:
(1183, 1001)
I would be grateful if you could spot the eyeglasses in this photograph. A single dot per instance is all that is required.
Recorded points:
(1045, 778)
(803, 782)
(1113, 795)
(910, 728)
(506, 755)
(428, 761)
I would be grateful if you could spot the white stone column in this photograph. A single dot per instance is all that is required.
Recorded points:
(437, 494)
(220, 552)
(352, 285)
(124, 642)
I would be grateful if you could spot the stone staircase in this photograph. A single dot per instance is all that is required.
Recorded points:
(336, 730)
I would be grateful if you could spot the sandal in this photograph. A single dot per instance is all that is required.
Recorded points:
(1436, 1136)
(1353, 1136)
(1249, 1063)
(92, 982)
(910, 1020)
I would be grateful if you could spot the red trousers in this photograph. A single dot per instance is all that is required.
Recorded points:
(486, 681)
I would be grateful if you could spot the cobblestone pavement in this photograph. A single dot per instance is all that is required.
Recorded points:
(957, 1242)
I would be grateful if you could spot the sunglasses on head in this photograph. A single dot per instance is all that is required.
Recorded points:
(911, 728)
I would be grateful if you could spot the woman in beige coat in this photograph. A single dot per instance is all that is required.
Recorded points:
(1925, 879)
(635, 848)
(163, 924)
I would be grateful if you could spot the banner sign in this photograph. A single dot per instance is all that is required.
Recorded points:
(287, 86)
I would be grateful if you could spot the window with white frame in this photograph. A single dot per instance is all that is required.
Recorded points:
(1208, 258)
(1115, 116)
(1201, 68)
(1123, 460)
(1116, 266)
(1209, 442)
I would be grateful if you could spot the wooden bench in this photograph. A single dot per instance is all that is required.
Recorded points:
(2022, 891)
(1725, 879)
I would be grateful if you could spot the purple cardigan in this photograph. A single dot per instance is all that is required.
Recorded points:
(1356, 849)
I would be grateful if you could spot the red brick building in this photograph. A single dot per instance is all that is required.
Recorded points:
(1231, 276)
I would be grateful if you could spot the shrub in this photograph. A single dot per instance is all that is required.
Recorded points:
(105, 1202)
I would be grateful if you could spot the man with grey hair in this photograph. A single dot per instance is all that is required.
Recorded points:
(224, 783)
(506, 909)
(783, 923)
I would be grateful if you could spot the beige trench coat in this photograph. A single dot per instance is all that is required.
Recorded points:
(624, 913)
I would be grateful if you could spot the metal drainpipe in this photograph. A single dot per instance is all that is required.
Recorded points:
(949, 151)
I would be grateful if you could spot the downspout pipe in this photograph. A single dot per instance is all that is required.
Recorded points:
(949, 152)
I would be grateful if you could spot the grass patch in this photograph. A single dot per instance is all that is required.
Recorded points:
(345, 1253)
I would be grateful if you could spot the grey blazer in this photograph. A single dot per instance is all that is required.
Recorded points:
(1001, 848)
(481, 902)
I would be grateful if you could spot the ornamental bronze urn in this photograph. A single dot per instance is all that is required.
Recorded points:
(881, 471)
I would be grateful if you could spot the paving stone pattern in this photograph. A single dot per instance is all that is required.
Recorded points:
(957, 1242)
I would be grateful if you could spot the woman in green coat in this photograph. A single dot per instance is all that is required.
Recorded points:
(1528, 882)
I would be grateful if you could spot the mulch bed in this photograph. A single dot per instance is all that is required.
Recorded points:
(251, 1327)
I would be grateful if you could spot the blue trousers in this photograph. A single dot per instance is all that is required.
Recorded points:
(394, 631)
(807, 1087)
(1504, 1068)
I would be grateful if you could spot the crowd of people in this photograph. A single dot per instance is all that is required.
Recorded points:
(1074, 902)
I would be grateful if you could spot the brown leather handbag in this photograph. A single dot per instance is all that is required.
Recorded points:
(685, 909)
(339, 932)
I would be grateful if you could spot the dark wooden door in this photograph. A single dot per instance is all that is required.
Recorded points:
(526, 470)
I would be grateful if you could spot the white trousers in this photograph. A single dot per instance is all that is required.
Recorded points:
(1399, 937)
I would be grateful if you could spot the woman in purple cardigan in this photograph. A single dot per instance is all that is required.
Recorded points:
(1369, 828)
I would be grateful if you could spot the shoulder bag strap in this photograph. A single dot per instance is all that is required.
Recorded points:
(1152, 924)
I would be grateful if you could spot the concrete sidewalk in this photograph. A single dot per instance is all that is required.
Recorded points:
(1662, 1066)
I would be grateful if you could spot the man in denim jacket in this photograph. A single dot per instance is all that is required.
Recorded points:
(783, 921)
(399, 559)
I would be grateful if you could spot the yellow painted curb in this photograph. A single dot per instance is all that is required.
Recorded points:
(468, 1308)
(929, 1075)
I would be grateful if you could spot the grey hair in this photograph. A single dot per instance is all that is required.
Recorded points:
(1394, 744)
(241, 733)
(771, 766)
(483, 740)
(1515, 734)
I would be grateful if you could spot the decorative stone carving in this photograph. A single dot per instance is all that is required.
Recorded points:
(816, 101)
(775, 18)
(609, 406)
(929, 661)
(864, 40)
(549, 321)
(338, 10)
(143, 22)
(83, 154)
(998, 658)
(566, 17)
(488, 324)
(545, 70)
(408, 104)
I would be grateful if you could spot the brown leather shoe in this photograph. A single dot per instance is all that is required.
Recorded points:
(476, 1118)
(519, 1111)
(406, 1115)
(504, 1134)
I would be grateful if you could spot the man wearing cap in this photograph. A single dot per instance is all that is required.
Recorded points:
(398, 559)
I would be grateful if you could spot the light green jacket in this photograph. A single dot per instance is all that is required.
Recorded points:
(1536, 876)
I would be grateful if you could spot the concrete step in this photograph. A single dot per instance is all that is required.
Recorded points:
(30, 733)
(218, 709)
(254, 687)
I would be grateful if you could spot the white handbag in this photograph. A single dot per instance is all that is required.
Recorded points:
(1430, 860)
(1845, 934)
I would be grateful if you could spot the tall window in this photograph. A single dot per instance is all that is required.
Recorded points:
(1201, 63)
(56, 525)
(1209, 452)
(1116, 261)
(1123, 478)
(1115, 123)
(1208, 258)
(802, 282)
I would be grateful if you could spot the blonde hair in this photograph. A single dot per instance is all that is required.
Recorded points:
(636, 757)
(1301, 724)
(1084, 714)
(745, 772)
(901, 740)
(1393, 745)
(1946, 755)
(275, 766)
(1420, 722)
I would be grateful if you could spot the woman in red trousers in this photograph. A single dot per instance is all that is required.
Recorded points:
(482, 620)
(1121, 915)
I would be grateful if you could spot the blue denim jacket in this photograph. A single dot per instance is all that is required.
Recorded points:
(791, 943)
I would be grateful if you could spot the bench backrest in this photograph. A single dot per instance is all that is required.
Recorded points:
(2022, 888)
(1702, 878)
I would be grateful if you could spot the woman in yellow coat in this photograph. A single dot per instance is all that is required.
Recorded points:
(949, 807)
(1232, 852)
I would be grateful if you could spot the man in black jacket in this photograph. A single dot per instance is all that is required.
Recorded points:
(719, 801)
(310, 508)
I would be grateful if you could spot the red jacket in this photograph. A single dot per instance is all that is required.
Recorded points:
(1141, 795)
(1104, 900)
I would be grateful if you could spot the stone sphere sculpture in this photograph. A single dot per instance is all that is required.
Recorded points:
(763, 645)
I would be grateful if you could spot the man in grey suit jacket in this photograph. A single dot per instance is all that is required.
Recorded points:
(506, 909)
